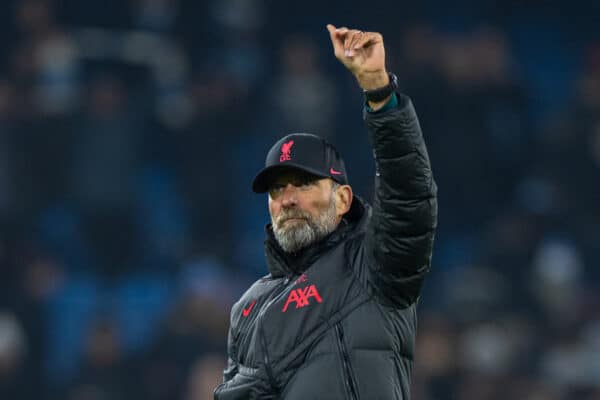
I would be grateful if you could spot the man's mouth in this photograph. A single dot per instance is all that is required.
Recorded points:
(293, 219)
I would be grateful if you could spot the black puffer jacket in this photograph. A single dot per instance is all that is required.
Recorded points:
(338, 321)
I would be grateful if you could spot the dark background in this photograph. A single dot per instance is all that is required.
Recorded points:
(130, 132)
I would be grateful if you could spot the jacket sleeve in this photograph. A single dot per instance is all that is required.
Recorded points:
(400, 234)
(232, 367)
(240, 382)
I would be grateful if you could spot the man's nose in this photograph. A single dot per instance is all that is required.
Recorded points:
(289, 196)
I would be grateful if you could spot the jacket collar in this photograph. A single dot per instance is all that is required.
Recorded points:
(281, 263)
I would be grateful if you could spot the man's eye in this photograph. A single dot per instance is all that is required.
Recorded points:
(276, 189)
(305, 184)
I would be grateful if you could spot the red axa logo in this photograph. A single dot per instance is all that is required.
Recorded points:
(286, 148)
(301, 296)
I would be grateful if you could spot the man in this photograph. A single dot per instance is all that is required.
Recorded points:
(336, 316)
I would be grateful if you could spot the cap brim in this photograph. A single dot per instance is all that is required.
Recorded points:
(263, 179)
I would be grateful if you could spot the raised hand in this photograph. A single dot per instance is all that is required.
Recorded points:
(362, 53)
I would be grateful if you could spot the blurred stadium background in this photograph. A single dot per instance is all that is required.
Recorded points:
(130, 131)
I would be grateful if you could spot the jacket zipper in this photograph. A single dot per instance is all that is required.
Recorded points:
(349, 382)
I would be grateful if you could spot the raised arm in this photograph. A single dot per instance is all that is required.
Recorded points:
(399, 237)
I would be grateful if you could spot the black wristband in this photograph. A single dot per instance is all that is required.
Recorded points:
(380, 94)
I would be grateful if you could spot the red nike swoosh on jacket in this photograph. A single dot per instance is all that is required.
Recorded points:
(247, 311)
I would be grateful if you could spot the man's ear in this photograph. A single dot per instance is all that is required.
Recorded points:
(343, 199)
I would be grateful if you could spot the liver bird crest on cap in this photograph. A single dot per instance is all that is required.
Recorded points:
(286, 148)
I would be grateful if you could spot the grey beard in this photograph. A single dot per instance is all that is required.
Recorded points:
(299, 235)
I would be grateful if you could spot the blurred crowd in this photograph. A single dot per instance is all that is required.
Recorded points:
(130, 132)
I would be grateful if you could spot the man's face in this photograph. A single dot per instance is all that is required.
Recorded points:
(303, 209)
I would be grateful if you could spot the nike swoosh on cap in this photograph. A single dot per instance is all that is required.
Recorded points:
(334, 172)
